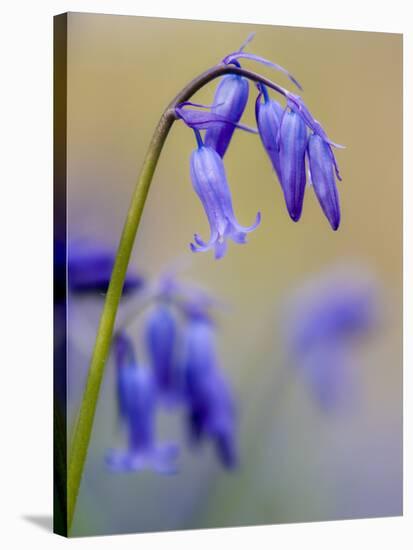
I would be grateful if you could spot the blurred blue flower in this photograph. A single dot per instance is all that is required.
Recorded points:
(211, 409)
(326, 319)
(137, 397)
(179, 335)
(161, 334)
(90, 268)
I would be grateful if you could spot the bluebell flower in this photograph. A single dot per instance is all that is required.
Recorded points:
(284, 136)
(161, 334)
(323, 178)
(137, 399)
(211, 410)
(326, 318)
(268, 114)
(210, 183)
(90, 268)
(230, 101)
(323, 167)
(293, 146)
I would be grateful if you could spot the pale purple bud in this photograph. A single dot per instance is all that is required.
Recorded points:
(322, 174)
(293, 144)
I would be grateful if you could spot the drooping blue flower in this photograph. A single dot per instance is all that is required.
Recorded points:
(322, 175)
(337, 309)
(293, 145)
(137, 400)
(230, 100)
(90, 268)
(211, 410)
(210, 183)
(268, 114)
(323, 165)
(284, 134)
(161, 341)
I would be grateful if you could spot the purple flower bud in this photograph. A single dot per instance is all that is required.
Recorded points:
(161, 335)
(293, 144)
(211, 407)
(268, 116)
(210, 183)
(230, 100)
(137, 403)
(297, 105)
(322, 175)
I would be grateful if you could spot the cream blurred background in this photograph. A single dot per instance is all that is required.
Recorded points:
(297, 464)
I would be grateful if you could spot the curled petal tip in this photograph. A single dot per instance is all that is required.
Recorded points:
(257, 220)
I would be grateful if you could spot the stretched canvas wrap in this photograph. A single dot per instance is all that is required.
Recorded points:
(228, 274)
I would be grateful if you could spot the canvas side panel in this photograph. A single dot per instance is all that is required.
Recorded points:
(60, 275)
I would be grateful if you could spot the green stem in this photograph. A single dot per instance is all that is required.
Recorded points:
(83, 429)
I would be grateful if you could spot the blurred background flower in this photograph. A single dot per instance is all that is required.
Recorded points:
(324, 321)
(183, 370)
(137, 396)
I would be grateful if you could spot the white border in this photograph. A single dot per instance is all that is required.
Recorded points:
(26, 257)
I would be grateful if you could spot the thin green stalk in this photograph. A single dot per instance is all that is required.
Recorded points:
(83, 429)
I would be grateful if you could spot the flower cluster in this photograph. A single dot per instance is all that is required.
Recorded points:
(291, 137)
(182, 371)
(325, 318)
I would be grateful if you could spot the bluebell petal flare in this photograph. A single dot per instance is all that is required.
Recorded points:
(210, 183)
